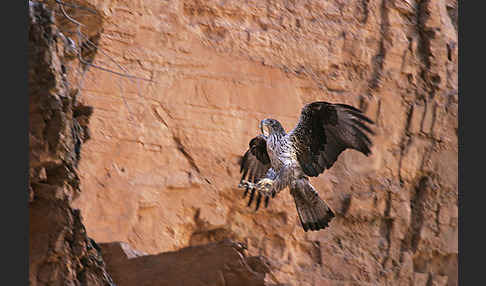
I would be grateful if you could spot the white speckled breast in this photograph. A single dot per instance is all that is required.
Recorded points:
(280, 152)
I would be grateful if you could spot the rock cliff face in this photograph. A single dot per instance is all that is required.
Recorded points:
(160, 169)
(60, 252)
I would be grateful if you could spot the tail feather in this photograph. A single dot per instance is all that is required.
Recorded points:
(314, 213)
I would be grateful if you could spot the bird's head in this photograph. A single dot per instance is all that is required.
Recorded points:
(270, 126)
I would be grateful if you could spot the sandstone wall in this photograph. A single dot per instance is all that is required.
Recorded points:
(160, 169)
(60, 252)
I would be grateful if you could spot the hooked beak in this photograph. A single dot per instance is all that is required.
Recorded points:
(262, 124)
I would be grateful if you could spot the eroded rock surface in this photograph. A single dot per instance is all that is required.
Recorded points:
(60, 252)
(160, 170)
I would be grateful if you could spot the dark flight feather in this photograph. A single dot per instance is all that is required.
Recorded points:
(255, 162)
(325, 130)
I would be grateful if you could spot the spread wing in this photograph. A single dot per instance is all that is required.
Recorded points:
(254, 165)
(324, 131)
(255, 162)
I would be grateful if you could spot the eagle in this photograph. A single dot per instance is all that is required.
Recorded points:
(276, 160)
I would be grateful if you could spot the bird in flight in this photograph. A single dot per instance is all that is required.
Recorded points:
(276, 159)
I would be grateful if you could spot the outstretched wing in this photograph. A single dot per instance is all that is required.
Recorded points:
(254, 165)
(255, 162)
(324, 131)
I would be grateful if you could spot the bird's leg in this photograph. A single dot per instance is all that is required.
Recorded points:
(249, 187)
(244, 184)
(263, 187)
(267, 187)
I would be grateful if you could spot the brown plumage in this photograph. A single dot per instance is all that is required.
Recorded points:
(279, 159)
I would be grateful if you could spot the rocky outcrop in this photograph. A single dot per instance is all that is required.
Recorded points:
(60, 252)
(160, 170)
(222, 263)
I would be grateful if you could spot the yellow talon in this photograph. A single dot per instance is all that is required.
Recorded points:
(265, 182)
(264, 186)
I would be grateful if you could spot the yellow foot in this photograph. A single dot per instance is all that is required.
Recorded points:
(263, 187)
